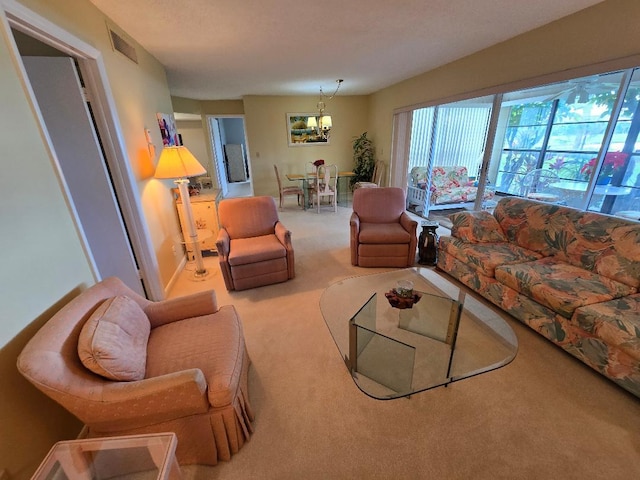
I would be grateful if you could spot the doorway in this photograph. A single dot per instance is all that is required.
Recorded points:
(231, 155)
(139, 250)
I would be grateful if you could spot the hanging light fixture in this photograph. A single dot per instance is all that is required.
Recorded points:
(324, 121)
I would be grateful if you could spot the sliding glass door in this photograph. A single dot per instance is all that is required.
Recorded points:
(573, 143)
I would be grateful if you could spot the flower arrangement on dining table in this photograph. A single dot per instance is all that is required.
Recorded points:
(613, 161)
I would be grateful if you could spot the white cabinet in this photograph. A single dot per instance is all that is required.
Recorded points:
(205, 216)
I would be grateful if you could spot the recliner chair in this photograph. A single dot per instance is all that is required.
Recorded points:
(254, 247)
(381, 232)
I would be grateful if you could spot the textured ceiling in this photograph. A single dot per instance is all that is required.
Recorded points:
(225, 49)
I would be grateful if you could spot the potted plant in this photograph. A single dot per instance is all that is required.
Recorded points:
(364, 159)
(613, 161)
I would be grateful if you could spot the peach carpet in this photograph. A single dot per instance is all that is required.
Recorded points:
(544, 416)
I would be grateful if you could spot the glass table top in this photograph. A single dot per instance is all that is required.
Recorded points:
(445, 336)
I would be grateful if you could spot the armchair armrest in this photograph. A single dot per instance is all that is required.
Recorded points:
(145, 402)
(223, 243)
(354, 221)
(408, 223)
(354, 230)
(188, 306)
(284, 235)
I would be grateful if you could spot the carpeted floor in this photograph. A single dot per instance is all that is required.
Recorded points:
(544, 416)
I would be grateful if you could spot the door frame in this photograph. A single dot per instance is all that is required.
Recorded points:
(218, 152)
(15, 15)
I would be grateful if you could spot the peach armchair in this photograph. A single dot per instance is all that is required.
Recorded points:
(381, 232)
(254, 247)
(194, 372)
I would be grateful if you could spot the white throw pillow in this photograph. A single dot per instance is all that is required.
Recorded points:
(113, 342)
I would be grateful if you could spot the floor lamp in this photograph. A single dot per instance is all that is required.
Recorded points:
(179, 163)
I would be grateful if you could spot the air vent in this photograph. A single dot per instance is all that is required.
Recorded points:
(122, 46)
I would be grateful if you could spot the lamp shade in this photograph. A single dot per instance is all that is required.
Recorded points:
(178, 162)
(325, 121)
(311, 122)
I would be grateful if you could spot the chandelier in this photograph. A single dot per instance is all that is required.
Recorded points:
(324, 121)
(321, 105)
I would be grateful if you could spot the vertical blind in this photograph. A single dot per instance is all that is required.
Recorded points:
(449, 136)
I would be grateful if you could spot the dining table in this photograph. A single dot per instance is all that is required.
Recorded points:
(342, 184)
(609, 192)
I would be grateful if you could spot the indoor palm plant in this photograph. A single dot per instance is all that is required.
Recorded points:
(364, 159)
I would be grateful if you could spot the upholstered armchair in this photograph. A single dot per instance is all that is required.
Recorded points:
(382, 234)
(125, 365)
(254, 247)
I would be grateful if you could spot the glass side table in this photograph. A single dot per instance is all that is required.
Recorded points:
(135, 457)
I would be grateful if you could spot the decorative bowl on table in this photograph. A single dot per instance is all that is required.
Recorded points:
(402, 301)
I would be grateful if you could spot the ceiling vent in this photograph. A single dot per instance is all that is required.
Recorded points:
(123, 46)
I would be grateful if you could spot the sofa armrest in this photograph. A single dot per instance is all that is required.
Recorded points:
(145, 402)
(175, 309)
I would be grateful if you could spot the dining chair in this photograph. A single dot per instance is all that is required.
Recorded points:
(537, 185)
(310, 171)
(326, 186)
(376, 177)
(288, 191)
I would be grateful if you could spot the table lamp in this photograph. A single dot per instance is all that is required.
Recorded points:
(179, 163)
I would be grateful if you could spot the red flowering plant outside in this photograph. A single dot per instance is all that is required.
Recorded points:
(613, 161)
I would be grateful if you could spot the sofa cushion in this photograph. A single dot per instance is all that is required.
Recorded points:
(606, 245)
(560, 286)
(485, 257)
(255, 249)
(212, 343)
(476, 227)
(617, 322)
(387, 233)
(113, 341)
(533, 225)
(603, 244)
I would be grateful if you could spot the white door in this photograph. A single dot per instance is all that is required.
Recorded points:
(68, 121)
(218, 155)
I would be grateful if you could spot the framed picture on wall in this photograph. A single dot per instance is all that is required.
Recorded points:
(308, 129)
(168, 129)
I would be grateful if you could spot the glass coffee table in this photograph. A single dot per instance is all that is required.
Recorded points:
(437, 335)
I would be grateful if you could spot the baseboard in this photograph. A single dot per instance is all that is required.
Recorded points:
(174, 277)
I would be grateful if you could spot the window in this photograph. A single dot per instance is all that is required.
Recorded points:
(577, 134)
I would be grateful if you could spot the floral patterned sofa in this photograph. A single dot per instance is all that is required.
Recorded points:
(572, 276)
(450, 185)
